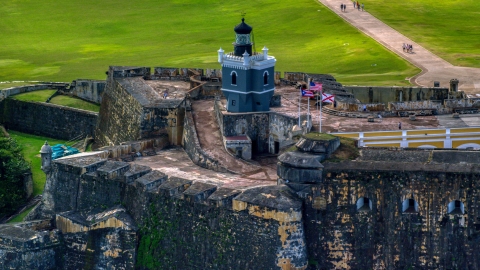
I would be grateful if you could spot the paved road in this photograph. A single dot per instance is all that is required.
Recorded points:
(433, 67)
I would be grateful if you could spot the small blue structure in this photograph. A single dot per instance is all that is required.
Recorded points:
(248, 78)
(62, 150)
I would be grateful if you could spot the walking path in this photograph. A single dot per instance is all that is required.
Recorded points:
(433, 67)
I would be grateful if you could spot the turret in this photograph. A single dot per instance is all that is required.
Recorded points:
(242, 39)
(46, 155)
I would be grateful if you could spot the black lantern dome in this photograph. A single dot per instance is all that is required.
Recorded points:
(243, 28)
(242, 42)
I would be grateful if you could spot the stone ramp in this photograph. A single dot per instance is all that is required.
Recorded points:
(433, 67)
(211, 142)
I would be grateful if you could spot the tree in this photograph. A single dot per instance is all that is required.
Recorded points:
(12, 169)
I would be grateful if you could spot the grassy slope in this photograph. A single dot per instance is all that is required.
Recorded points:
(447, 28)
(66, 40)
(31, 145)
(75, 103)
(38, 96)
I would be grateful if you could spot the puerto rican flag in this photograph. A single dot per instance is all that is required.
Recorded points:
(328, 98)
(306, 93)
(315, 86)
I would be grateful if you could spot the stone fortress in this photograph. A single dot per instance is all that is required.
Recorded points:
(152, 197)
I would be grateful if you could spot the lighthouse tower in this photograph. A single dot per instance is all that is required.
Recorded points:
(247, 76)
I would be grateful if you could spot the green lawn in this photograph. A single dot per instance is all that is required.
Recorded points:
(38, 96)
(75, 103)
(65, 40)
(20, 216)
(449, 29)
(31, 145)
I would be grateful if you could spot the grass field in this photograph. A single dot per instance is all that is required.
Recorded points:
(66, 40)
(75, 103)
(447, 28)
(37, 96)
(31, 145)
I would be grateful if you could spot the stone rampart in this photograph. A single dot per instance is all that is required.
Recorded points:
(201, 223)
(375, 94)
(29, 246)
(4, 93)
(193, 149)
(47, 119)
(90, 90)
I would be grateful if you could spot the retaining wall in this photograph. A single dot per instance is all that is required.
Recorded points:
(47, 119)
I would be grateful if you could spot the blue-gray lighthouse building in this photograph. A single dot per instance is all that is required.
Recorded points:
(247, 77)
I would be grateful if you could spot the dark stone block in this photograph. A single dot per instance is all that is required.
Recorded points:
(151, 181)
(175, 186)
(223, 197)
(113, 170)
(198, 192)
(276, 197)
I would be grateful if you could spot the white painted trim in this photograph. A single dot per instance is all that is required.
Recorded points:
(249, 92)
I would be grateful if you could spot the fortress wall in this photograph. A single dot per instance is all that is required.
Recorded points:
(90, 90)
(46, 119)
(466, 102)
(340, 236)
(4, 93)
(191, 145)
(373, 94)
(183, 224)
(206, 236)
(120, 116)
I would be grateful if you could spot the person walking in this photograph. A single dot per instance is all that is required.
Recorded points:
(363, 7)
(358, 6)
(399, 125)
(354, 4)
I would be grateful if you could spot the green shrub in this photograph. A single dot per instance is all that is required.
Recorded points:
(12, 169)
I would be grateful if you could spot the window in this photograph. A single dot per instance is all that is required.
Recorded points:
(265, 78)
(233, 102)
(456, 208)
(234, 78)
(409, 206)
(364, 204)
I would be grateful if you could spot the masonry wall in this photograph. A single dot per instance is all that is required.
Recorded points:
(340, 236)
(46, 119)
(90, 90)
(120, 116)
(184, 224)
(192, 147)
(255, 125)
(371, 94)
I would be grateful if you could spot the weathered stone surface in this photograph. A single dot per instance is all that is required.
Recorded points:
(98, 239)
(301, 160)
(24, 247)
(175, 186)
(151, 180)
(222, 197)
(318, 145)
(198, 192)
(57, 121)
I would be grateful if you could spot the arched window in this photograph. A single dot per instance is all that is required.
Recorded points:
(265, 77)
(409, 206)
(456, 208)
(364, 204)
(234, 78)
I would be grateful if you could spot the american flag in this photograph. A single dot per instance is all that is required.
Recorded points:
(315, 86)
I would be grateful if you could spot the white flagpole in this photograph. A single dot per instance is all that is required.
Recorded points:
(308, 105)
(321, 101)
(299, 103)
